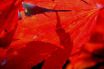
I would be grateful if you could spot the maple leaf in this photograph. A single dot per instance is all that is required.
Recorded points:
(63, 43)
(28, 55)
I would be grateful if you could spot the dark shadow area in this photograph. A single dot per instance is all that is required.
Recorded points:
(99, 53)
(34, 9)
(65, 65)
(85, 1)
(64, 37)
(97, 38)
(38, 66)
(97, 66)
(59, 57)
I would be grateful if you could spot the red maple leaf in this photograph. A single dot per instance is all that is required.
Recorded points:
(52, 37)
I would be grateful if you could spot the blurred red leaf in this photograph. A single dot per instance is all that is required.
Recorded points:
(28, 55)
(70, 31)
(8, 21)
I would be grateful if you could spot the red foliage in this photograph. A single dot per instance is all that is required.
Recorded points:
(54, 37)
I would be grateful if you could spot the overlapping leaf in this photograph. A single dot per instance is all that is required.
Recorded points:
(76, 25)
